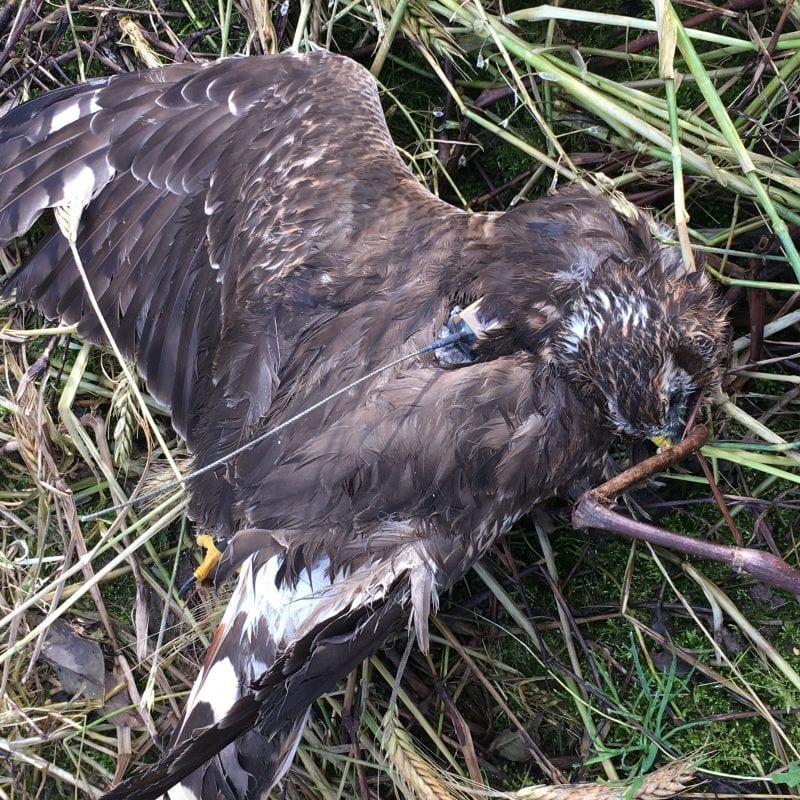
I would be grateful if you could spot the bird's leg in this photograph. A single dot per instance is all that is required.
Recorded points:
(593, 510)
(214, 547)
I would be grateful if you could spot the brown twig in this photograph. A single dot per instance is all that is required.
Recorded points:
(721, 504)
(651, 39)
(640, 472)
(593, 511)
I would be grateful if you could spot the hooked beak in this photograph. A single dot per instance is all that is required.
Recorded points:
(662, 442)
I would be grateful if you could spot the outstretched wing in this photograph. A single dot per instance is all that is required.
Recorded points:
(324, 585)
(199, 184)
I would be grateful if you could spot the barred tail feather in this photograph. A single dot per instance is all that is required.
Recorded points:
(244, 648)
(278, 648)
(247, 768)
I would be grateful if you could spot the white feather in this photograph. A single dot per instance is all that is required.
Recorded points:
(65, 115)
(180, 792)
(78, 187)
(218, 686)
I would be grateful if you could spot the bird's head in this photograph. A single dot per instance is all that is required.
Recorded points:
(644, 345)
(590, 290)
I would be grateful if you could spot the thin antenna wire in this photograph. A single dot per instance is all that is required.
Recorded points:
(464, 334)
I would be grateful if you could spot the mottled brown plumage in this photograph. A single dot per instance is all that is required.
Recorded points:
(255, 244)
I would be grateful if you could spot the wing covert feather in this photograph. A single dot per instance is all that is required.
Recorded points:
(194, 217)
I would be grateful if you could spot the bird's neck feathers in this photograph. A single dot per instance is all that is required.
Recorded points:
(625, 305)
(602, 301)
(616, 304)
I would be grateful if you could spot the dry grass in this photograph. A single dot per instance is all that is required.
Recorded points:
(564, 657)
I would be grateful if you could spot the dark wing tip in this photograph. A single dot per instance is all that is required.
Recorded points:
(151, 783)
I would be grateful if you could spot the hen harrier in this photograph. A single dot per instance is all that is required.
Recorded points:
(255, 244)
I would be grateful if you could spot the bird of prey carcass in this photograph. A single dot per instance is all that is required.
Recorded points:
(255, 244)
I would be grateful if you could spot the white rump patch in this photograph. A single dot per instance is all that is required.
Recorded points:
(285, 608)
(292, 612)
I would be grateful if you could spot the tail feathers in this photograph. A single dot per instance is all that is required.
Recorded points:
(182, 760)
(276, 651)
(247, 768)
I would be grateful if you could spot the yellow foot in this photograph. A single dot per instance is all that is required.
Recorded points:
(209, 563)
(211, 558)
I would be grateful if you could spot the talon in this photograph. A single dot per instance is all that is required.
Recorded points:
(213, 547)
